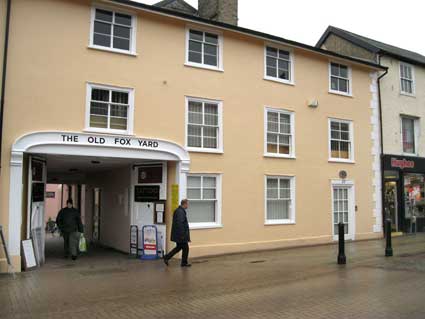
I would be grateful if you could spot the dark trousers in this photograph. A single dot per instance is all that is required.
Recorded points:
(179, 246)
(70, 243)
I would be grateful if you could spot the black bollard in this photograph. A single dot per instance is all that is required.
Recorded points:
(388, 248)
(342, 260)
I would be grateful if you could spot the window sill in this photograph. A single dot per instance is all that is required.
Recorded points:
(202, 150)
(101, 131)
(202, 66)
(271, 155)
(100, 48)
(410, 154)
(279, 222)
(267, 78)
(205, 226)
(341, 93)
(337, 160)
(408, 94)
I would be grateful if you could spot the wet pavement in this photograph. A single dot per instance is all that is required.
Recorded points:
(293, 283)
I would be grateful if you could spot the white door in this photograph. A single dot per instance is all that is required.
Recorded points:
(343, 209)
(143, 216)
(36, 206)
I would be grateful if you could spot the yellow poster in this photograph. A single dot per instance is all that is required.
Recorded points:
(174, 197)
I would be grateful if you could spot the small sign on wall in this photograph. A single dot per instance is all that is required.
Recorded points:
(145, 194)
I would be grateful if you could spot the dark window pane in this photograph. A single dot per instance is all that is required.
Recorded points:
(345, 127)
(272, 52)
(195, 57)
(210, 60)
(343, 85)
(271, 61)
(120, 97)
(211, 38)
(102, 40)
(210, 49)
(122, 32)
(284, 65)
(283, 54)
(98, 108)
(103, 15)
(196, 35)
(119, 110)
(334, 84)
(195, 46)
(343, 71)
(100, 27)
(122, 44)
(335, 69)
(271, 72)
(123, 19)
(100, 95)
(283, 74)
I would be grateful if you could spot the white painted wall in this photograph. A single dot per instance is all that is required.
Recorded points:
(394, 104)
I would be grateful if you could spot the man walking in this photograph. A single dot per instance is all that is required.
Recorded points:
(70, 226)
(180, 234)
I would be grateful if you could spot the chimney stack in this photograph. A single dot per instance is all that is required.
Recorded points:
(225, 11)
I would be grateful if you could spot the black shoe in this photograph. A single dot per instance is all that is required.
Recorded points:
(74, 257)
(165, 261)
(186, 265)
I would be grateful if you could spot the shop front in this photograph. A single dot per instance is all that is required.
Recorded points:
(404, 193)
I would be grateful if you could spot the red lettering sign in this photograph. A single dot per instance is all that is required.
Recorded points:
(402, 164)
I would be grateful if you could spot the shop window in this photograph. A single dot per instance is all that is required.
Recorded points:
(204, 125)
(408, 135)
(280, 201)
(203, 49)
(339, 79)
(414, 204)
(278, 64)
(340, 140)
(204, 193)
(109, 109)
(279, 139)
(407, 81)
(113, 31)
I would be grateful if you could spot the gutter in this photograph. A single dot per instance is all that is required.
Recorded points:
(382, 144)
(3, 83)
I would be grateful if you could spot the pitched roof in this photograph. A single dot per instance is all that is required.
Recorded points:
(373, 45)
(253, 33)
(179, 5)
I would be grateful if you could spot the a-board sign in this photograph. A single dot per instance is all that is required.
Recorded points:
(28, 254)
(150, 242)
(134, 240)
(146, 193)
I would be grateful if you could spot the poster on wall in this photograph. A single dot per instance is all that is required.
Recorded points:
(174, 197)
(150, 242)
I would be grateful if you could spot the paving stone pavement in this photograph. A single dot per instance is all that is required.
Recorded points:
(293, 283)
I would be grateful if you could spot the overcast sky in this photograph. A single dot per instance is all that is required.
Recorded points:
(400, 23)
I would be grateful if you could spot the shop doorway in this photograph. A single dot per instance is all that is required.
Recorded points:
(391, 204)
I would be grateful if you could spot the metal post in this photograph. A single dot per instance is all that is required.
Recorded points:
(342, 260)
(388, 248)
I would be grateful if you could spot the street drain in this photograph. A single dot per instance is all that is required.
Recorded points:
(257, 261)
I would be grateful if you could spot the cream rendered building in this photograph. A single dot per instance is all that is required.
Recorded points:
(147, 106)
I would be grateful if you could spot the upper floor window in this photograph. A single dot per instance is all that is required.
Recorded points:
(280, 199)
(408, 134)
(278, 64)
(340, 140)
(204, 125)
(339, 78)
(112, 30)
(109, 109)
(203, 49)
(279, 127)
(407, 79)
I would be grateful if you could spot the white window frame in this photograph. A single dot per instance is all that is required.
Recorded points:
(415, 133)
(220, 147)
(130, 112)
(351, 127)
(292, 119)
(218, 207)
(220, 65)
(350, 79)
(133, 32)
(292, 219)
(351, 206)
(291, 80)
(413, 79)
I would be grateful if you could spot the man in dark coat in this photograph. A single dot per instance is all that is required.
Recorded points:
(70, 226)
(180, 234)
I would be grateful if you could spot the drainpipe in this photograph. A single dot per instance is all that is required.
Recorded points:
(3, 83)
(382, 143)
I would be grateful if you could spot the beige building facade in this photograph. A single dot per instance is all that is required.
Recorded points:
(273, 142)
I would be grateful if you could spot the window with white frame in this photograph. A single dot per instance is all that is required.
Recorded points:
(203, 48)
(341, 140)
(204, 124)
(279, 133)
(408, 134)
(112, 30)
(339, 78)
(109, 109)
(203, 193)
(407, 78)
(278, 64)
(280, 199)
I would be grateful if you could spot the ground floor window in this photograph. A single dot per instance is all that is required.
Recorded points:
(414, 202)
(280, 204)
(204, 193)
(340, 208)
